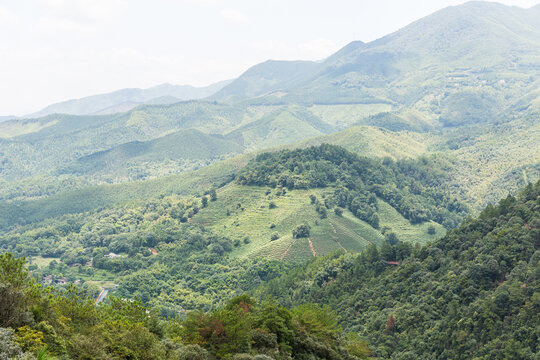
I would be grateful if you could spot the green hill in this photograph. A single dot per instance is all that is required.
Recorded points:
(471, 294)
(186, 147)
(472, 65)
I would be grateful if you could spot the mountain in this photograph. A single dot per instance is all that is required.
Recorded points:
(459, 82)
(6, 118)
(463, 64)
(126, 99)
(352, 198)
(265, 77)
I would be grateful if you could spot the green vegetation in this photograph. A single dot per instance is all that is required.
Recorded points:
(137, 160)
(36, 322)
(472, 294)
(350, 221)
(411, 187)
(134, 244)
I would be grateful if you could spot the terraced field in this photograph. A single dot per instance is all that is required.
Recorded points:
(244, 214)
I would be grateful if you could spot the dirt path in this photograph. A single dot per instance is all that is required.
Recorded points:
(287, 250)
(311, 246)
(335, 238)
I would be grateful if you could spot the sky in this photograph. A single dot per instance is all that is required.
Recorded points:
(55, 50)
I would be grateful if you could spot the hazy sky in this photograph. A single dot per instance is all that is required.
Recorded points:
(54, 50)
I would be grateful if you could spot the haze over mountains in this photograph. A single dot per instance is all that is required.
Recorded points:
(127, 99)
(465, 65)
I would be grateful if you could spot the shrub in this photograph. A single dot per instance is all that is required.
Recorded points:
(274, 236)
(9, 349)
(301, 231)
(242, 357)
(193, 352)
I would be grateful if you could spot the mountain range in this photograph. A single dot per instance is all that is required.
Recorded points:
(127, 99)
(365, 181)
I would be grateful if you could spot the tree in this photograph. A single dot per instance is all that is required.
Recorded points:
(357, 346)
(391, 238)
(17, 291)
(390, 324)
(301, 231)
(193, 352)
(204, 201)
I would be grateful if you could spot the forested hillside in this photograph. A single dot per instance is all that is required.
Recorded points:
(472, 294)
(67, 324)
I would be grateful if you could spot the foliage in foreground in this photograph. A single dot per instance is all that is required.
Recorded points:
(36, 321)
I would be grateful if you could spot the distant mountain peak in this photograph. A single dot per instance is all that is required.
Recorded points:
(124, 99)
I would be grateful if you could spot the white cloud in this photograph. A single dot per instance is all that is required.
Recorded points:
(200, 2)
(84, 10)
(52, 25)
(7, 16)
(235, 17)
(317, 48)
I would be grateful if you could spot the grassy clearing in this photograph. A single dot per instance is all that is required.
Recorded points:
(405, 231)
(372, 141)
(243, 214)
(106, 284)
(41, 262)
(342, 116)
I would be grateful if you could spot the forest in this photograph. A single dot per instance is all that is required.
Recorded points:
(473, 294)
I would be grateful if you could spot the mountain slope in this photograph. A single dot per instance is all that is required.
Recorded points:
(265, 77)
(485, 49)
(106, 103)
(186, 146)
(471, 294)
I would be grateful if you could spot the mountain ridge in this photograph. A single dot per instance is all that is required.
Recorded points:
(94, 104)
